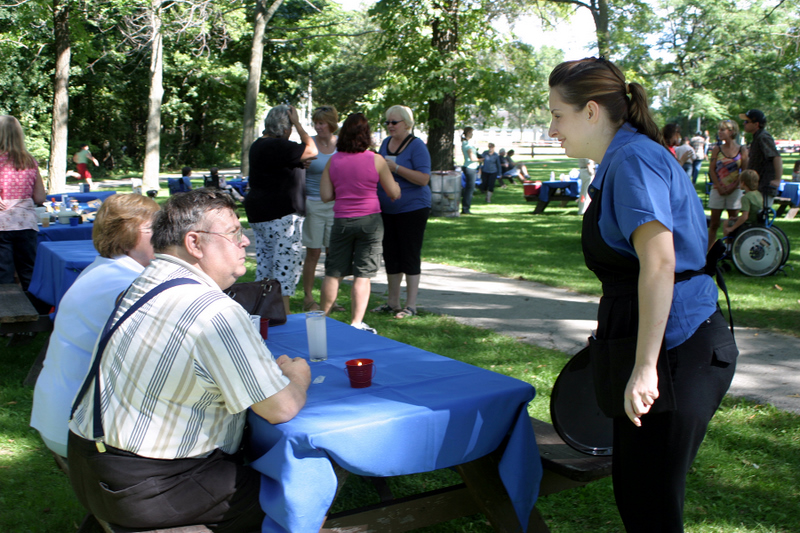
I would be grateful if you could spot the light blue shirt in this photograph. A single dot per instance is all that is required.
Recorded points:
(641, 182)
(465, 148)
(82, 313)
(314, 173)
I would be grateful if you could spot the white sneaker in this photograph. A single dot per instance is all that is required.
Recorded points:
(364, 327)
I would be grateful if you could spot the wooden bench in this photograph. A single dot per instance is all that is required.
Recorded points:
(18, 315)
(784, 204)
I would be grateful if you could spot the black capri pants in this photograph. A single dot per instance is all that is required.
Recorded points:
(402, 241)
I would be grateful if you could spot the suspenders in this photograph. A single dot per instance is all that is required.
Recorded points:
(108, 331)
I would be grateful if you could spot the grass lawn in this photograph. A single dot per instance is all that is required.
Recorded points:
(745, 479)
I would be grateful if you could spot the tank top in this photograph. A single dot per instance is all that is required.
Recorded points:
(728, 168)
(355, 184)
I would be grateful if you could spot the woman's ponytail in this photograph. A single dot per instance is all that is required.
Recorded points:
(639, 113)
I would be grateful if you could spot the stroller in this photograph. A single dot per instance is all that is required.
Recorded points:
(760, 249)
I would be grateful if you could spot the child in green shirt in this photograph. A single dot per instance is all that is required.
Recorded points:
(752, 202)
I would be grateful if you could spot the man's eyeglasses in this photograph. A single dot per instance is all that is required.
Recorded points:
(745, 121)
(238, 235)
(393, 122)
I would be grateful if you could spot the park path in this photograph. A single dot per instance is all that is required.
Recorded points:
(768, 368)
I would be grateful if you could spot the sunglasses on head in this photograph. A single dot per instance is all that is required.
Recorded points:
(393, 122)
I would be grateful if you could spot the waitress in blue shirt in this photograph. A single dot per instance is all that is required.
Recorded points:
(404, 220)
(644, 236)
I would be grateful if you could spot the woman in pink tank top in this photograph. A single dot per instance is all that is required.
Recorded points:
(351, 178)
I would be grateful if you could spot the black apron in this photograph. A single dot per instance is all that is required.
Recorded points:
(613, 348)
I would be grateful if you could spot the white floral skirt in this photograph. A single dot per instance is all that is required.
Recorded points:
(279, 251)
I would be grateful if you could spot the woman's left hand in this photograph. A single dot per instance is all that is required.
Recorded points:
(641, 392)
(3, 205)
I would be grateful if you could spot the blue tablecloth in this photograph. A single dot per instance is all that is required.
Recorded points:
(239, 184)
(82, 197)
(65, 232)
(790, 190)
(423, 412)
(58, 264)
(571, 188)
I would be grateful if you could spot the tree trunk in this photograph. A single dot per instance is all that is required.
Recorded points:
(254, 80)
(442, 111)
(57, 175)
(442, 120)
(152, 146)
(600, 15)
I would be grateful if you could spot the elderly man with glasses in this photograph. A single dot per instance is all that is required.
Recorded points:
(156, 428)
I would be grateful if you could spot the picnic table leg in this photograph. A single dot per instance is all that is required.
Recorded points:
(540, 207)
(483, 481)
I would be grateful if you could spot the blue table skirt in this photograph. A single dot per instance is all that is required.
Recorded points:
(58, 264)
(571, 188)
(790, 190)
(423, 412)
(65, 232)
(82, 197)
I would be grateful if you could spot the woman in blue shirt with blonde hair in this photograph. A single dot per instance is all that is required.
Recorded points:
(404, 221)
(644, 236)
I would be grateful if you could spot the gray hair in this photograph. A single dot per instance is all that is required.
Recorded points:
(404, 112)
(186, 212)
(277, 121)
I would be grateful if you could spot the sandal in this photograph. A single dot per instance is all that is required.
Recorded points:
(337, 307)
(406, 311)
(311, 306)
(385, 308)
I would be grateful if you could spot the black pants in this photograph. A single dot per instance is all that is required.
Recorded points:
(17, 252)
(651, 462)
(141, 493)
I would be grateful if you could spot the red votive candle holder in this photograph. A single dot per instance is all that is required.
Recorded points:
(360, 372)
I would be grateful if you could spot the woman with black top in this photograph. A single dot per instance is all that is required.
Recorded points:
(275, 205)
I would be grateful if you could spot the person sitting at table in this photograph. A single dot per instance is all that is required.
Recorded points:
(511, 170)
(21, 187)
(176, 377)
(351, 178)
(216, 181)
(121, 235)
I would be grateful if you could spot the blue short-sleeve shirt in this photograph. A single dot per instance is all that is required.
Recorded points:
(412, 196)
(642, 182)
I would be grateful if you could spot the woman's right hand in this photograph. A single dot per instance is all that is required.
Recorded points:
(641, 392)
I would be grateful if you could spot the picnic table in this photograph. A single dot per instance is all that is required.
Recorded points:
(82, 197)
(58, 264)
(240, 184)
(423, 412)
(788, 198)
(64, 232)
(552, 190)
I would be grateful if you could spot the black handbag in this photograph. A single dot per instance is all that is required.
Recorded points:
(261, 298)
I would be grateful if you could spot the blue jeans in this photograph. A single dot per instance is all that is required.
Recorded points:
(469, 188)
(696, 169)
